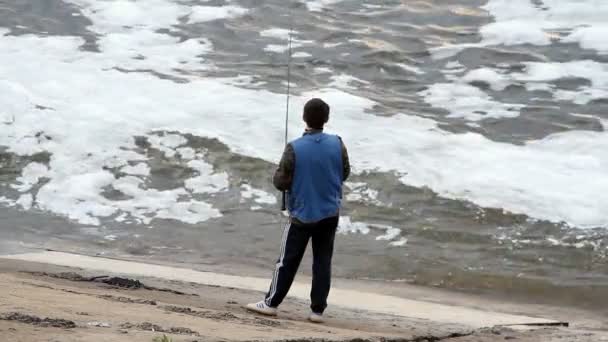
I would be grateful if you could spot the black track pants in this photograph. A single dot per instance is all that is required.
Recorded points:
(293, 245)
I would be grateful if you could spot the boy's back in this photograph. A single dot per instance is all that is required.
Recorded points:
(311, 171)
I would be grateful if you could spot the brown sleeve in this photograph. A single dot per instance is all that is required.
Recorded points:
(345, 162)
(283, 176)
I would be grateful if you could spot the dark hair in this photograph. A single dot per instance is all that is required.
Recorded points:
(316, 113)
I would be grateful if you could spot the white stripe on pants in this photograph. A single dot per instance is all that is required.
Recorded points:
(275, 276)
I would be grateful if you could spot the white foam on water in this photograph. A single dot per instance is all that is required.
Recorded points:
(207, 181)
(411, 68)
(158, 49)
(301, 54)
(354, 197)
(186, 152)
(140, 169)
(91, 142)
(524, 22)
(451, 72)
(361, 192)
(319, 5)
(121, 218)
(171, 141)
(344, 81)
(166, 143)
(590, 37)
(77, 195)
(537, 74)
(332, 45)
(581, 97)
(596, 72)
(539, 87)
(346, 226)
(278, 48)
(146, 204)
(496, 80)
(18, 99)
(119, 15)
(453, 65)
(110, 237)
(191, 212)
(398, 243)
(516, 23)
(391, 233)
(129, 39)
(26, 201)
(208, 13)
(97, 110)
(450, 50)
(519, 22)
(278, 33)
(259, 196)
(30, 175)
(579, 242)
(463, 100)
(602, 121)
(593, 71)
(545, 178)
(323, 70)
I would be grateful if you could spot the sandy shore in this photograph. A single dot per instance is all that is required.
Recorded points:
(43, 301)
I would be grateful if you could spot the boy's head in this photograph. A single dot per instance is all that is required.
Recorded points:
(316, 113)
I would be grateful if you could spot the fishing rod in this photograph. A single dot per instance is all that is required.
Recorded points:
(284, 200)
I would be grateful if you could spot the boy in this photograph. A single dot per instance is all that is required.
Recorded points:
(312, 170)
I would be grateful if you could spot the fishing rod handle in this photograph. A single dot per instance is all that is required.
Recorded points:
(284, 201)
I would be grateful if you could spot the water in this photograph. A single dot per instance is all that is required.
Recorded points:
(476, 130)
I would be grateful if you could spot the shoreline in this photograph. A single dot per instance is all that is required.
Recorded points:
(38, 285)
(524, 290)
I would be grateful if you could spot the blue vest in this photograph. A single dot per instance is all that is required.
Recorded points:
(316, 190)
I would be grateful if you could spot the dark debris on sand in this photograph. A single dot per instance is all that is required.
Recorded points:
(429, 338)
(223, 316)
(127, 300)
(122, 283)
(37, 321)
(146, 326)
(119, 282)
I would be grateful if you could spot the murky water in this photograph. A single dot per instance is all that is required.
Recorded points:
(384, 53)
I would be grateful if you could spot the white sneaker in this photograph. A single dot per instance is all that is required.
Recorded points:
(262, 308)
(316, 318)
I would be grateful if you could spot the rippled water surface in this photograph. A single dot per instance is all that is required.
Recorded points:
(476, 130)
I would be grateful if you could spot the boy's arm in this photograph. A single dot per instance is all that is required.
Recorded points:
(345, 162)
(283, 176)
